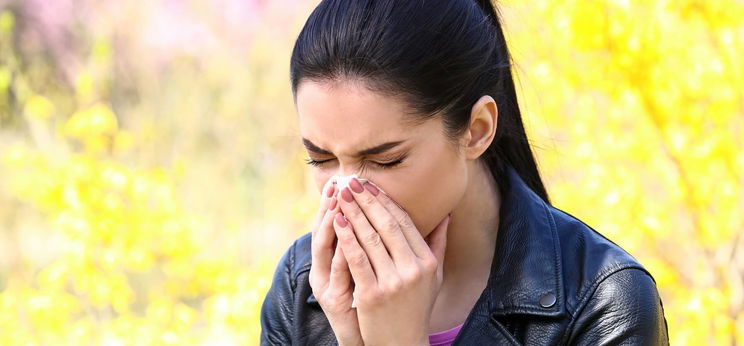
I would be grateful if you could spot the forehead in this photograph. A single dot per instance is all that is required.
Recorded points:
(344, 117)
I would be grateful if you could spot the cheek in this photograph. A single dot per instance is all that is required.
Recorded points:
(320, 179)
(429, 190)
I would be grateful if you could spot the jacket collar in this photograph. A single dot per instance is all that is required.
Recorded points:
(525, 273)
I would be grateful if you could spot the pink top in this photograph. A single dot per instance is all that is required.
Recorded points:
(444, 338)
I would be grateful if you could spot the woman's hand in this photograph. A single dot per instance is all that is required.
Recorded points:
(397, 275)
(329, 278)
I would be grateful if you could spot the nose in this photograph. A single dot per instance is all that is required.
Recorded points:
(342, 177)
(347, 170)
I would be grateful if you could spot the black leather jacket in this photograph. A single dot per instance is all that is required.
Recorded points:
(554, 281)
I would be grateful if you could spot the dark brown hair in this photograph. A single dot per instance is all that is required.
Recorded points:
(440, 56)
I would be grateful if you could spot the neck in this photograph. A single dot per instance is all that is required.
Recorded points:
(471, 237)
(471, 242)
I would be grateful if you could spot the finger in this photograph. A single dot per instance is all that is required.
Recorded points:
(385, 223)
(329, 189)
(359, 264)
(438, 240)
(367, 235)
(325, 204)
(322, 243)
(316, 242)
(407, 227)
(323, 234)
(340, 275)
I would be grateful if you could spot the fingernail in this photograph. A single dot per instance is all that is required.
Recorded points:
(371, 188)
(341, 220)
(329, 192)
(356, 186)
(332, 204)
(346, 195)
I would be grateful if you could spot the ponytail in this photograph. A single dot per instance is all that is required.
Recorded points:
(510, 145)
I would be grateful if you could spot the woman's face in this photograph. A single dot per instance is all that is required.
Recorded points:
(339, 121)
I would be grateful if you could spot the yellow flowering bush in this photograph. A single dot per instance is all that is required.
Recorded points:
(128, 268)
(115, 259)
(637, 110)
(149, 183)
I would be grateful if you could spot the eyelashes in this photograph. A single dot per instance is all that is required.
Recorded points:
(385, 165)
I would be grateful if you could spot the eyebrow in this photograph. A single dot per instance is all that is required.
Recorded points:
(371, 151)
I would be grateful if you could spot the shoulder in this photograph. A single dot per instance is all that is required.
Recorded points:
(296, 258)
(303, 252)
(587, 256)
(609, 293)
(281, 315)
(286, 280)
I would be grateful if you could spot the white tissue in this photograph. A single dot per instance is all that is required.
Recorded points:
(342, 181)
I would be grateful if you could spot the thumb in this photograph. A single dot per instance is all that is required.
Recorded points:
(437, 239)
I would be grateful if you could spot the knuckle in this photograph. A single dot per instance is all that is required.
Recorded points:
(337, 265)
(406, 222)
(429, 264)
(390, 224)
(393, 205)
(393, 285)
(413, 275)
(329, 303)
(358, 259)
(372, 239)
(384, 198)
(372, 296)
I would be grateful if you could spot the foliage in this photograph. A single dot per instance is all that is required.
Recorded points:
(151, 176)
(639, 107)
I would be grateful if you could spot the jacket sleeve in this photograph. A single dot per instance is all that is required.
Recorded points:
(625, 309)
(276, 310)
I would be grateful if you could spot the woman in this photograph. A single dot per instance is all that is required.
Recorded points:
(448, 237)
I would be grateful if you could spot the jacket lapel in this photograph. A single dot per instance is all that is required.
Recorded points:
(481, 329)
(526, 274)
(526, 271)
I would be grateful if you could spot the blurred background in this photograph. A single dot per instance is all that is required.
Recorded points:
(151, 172)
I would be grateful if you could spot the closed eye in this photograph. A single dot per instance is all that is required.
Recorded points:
(383, 165)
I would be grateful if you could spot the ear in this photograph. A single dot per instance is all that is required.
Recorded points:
(482, 127)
